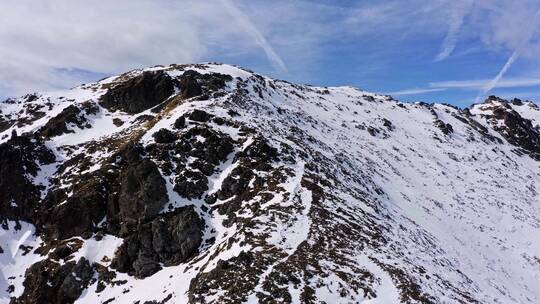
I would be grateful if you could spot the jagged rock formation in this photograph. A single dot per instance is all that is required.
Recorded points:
(213, 184)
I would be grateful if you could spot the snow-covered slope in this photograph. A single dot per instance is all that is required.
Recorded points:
(213, 184)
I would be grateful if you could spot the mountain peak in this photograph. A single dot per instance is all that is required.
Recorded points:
(209, 183)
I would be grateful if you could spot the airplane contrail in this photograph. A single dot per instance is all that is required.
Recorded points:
(244, 21)
(515, 55)
(457, 18)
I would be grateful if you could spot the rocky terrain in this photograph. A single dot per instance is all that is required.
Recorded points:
(209, 183)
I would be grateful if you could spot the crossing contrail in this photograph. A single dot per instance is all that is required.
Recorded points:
(515, 55)
(457, 18)
(244, 21)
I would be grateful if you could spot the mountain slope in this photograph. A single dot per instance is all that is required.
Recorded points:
(213, 184)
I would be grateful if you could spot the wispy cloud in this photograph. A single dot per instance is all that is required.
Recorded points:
(114, 36)
(471, 85)
(515, 55)
(481, 83)
(415, 91)
(366, 43)
(246, 23)
(458, 14)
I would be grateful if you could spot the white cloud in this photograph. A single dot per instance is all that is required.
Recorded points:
(481, 83)
(415, 91)
(39, 38)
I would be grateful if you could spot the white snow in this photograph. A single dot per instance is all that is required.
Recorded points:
(13, 261)
(459, 206)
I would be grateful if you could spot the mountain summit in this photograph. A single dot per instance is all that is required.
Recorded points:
(209, 183)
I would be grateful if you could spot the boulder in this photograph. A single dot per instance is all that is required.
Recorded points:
(180, 123)
(199, 116)
(164, 136)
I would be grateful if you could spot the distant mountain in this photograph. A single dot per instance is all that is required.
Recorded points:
(209, 183)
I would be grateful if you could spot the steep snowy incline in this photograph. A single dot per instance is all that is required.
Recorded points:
(209, 183)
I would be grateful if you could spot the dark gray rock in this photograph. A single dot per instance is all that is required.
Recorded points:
(58, 125)
(171, 239)
(191, 184)
(189, 84)
(49, 282)
(139, 93)
(180, 123)
(76, 281)
(193, 83)
(142, 193)
(444, 127)
(78, 214)
(236, 183)
(164, 136)
(199, 116)
(20, 158)
(145, 265)
(178, 237)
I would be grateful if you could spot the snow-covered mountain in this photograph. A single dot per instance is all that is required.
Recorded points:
(212, 184)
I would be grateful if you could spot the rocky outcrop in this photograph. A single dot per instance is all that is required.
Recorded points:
(266, 191)
(78, 214)
(519, 131)
(446, 128)
(59, 124)
(191, 184)
(139, 93)
(512, 126)
(20, 158)
(193, 83)
(199, 116)
(170, 239)
(50, 282)
(141, 191)
(164, 136)
(192, 156)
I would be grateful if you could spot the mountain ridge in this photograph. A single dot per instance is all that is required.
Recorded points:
(208, 183)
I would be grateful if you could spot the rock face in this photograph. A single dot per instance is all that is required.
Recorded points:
(72, 114)
(20, 160)
(170, 239)
(134, 189)
(139, 93)
(79, 213)
(193, 83)
(517, 130)
(209, 183)
(142, 193)
(50, 282)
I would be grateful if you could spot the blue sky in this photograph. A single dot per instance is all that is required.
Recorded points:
(434, 51)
